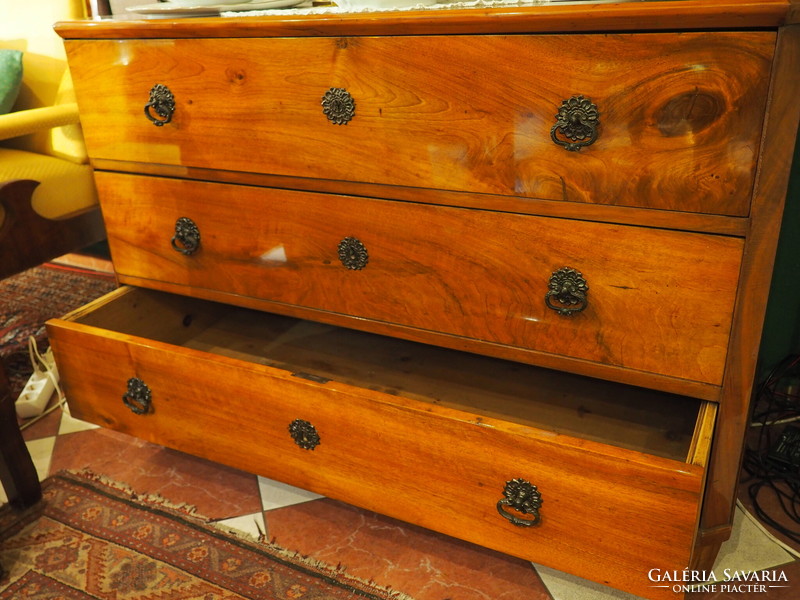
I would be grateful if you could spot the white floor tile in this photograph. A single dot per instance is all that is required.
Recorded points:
(70, 424)
(41, 451)
(568, 587)
(275, 494)
(749, 548)
(253, 525)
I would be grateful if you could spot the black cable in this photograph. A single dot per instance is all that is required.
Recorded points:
(774, 403)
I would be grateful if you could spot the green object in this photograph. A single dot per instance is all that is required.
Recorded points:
(10, 78)
(781, 335)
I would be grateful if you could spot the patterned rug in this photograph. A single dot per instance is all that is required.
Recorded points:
(92, 539)
(28, 299)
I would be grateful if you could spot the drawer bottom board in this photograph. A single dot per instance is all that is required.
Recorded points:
(423, 434)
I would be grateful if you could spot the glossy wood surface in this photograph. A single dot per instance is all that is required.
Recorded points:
(775, 165)
(556, 17)
(586, 528)
(680, 115)
(703, 223)
(476, 274)
(602, 371)
(698, 132)
(629, 417)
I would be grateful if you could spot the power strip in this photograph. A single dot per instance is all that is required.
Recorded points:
(40, 387)
(787, 448)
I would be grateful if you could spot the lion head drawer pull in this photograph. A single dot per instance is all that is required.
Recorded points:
(577, 121)
(523, 497)
(138, 397)
(338, 105)
(187, 236)
(353, 253)
(568, 289)
(304, 434)
(162, 103)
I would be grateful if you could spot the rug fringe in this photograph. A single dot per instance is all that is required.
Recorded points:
(151, 499)
(190, 511)
(339, 571)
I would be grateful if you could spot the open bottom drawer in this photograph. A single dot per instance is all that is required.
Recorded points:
(423, 434)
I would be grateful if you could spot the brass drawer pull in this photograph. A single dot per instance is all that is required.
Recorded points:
(162, 103)
(569, 289)
(338, 105)
(304, 434)
(138, 397)
(353, 253)
(187, 236)
(577, 120)
(523, 497)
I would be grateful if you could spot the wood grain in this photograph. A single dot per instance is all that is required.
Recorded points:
(673, 385)
(775, 165)
(625, 416)
(556, 17)
(680, 115)
(704, 223)
(586, 528)
(673, 216)
(659, 301)
(793, 17)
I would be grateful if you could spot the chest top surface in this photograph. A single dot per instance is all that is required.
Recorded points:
(571, 16)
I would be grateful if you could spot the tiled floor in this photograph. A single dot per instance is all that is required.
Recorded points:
(425, 565)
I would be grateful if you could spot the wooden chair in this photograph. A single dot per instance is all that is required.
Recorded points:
(17, 473)
(48, 202)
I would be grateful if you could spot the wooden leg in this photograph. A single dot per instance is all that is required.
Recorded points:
(17, 473)
(707, 547)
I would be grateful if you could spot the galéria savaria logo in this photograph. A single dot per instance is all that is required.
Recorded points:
(725, 581)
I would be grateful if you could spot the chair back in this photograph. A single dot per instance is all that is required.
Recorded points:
(28, 26)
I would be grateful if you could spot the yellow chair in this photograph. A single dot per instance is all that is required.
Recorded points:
(48, 202)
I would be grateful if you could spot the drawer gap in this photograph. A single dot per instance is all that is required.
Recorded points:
(655, 423)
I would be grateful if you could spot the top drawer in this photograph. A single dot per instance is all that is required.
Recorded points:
(678, 127)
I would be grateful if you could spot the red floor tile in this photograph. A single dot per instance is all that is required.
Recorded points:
(217, 491)
(423, 564)
(45, 427)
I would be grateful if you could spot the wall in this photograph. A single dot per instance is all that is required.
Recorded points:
(782, 326)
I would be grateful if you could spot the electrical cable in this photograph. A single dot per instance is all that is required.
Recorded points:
(776, 407)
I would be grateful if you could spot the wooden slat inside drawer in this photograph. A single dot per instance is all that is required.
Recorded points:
(651, 422)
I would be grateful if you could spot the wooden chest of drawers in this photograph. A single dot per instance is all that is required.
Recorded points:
(498, 273)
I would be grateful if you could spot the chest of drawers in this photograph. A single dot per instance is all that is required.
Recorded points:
(498, 273)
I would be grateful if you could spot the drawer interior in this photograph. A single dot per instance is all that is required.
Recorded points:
(655, 423)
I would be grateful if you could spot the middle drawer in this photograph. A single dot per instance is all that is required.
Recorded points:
(650, 300)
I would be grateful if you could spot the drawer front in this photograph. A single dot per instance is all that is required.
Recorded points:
(603, 509)
(678, 115)
(657, 301)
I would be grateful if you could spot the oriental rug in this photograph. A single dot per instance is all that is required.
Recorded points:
(30, 298)
(93, 539)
